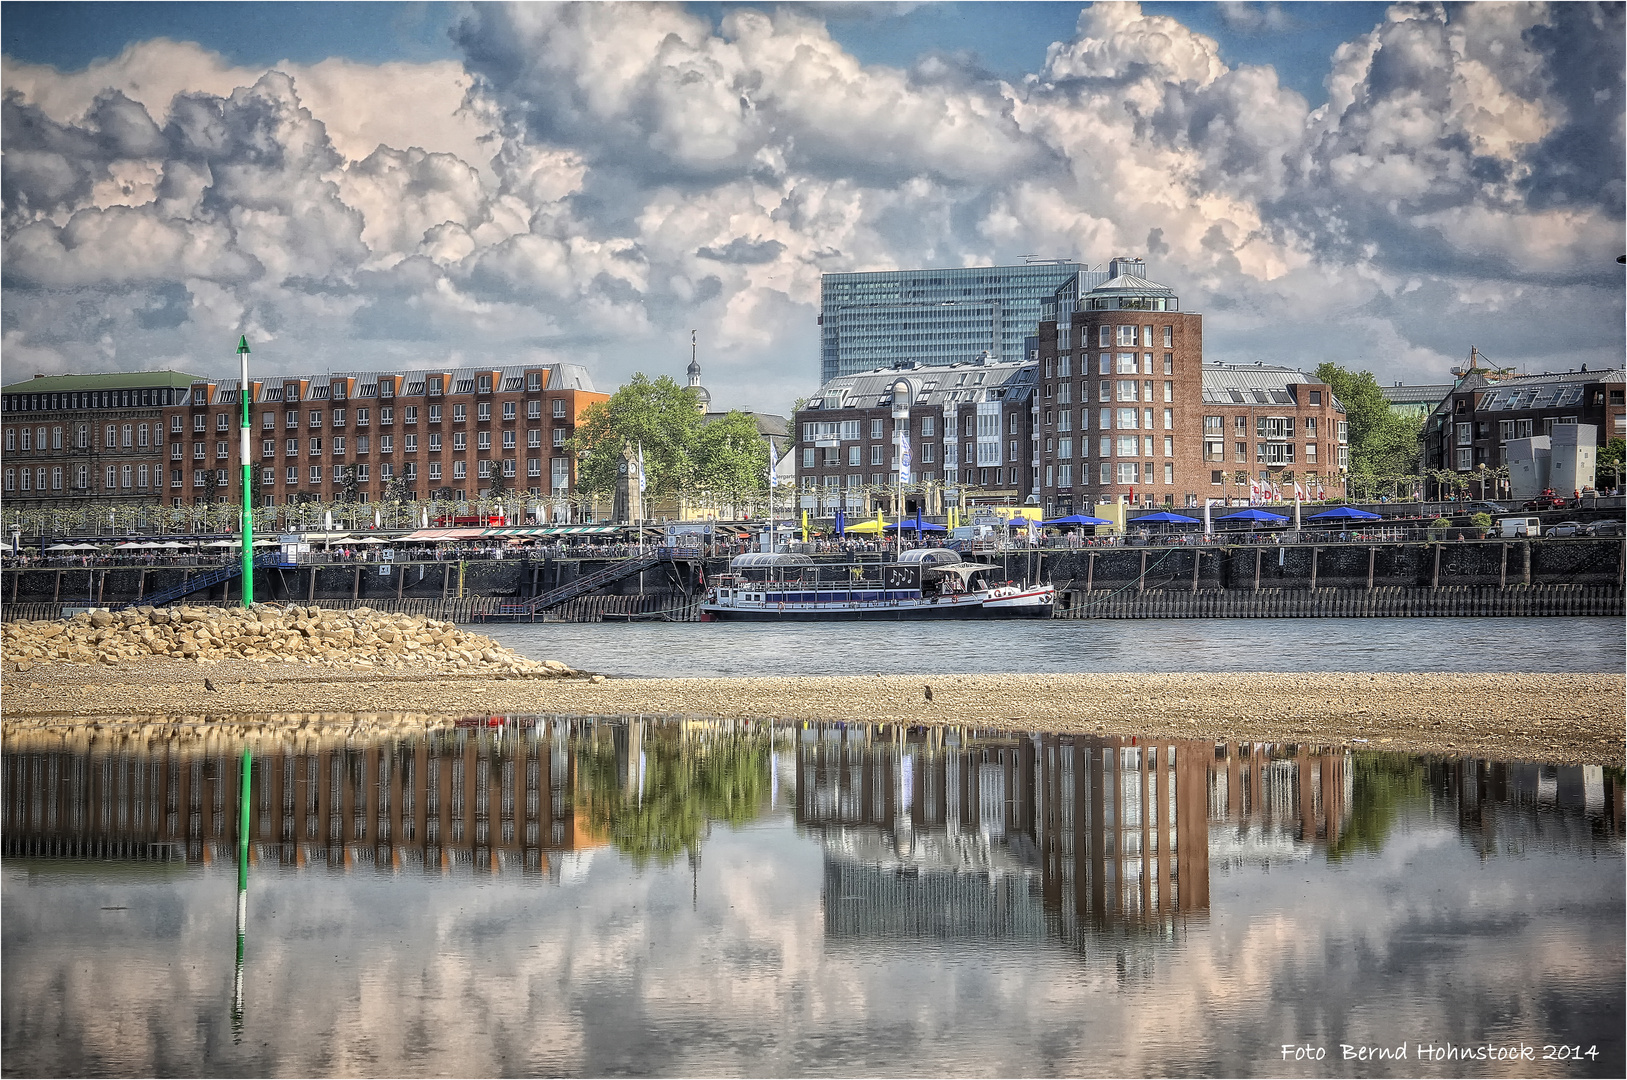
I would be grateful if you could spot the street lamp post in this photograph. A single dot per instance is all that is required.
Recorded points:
(243, 396)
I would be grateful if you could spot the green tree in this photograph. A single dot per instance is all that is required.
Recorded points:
(730, 458)
(660, 416)
(1608, 473)
(1382, 786)
(349, 487)
(1383, 442)
(661, 810)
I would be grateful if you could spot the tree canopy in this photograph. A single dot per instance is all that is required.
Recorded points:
(1383, 442)
(683, 453)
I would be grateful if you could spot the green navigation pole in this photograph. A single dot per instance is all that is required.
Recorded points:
(244, 393)
(242, 889)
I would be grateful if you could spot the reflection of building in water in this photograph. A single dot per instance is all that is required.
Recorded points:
(495, 798)
(947, 833)
(1510, 808)
(1122, 830)
(1276, 802)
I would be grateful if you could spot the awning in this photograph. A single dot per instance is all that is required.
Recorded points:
(444, 534)
(581, 530)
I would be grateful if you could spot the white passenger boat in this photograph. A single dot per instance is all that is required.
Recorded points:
(928, 583)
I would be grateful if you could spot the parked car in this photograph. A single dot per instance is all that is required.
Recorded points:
(1565, 528)
(1486, 508)
(1613, 527)
(1548, 500)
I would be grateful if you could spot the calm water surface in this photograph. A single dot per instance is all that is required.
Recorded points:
(723, 649)
(541, 896)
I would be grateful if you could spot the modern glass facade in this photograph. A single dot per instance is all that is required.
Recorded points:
(934, 317)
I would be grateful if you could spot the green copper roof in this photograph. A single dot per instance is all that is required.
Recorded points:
(113, 380)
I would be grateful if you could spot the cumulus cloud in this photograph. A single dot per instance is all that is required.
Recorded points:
(592, 180)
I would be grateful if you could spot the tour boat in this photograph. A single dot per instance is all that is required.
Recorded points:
(927, 583)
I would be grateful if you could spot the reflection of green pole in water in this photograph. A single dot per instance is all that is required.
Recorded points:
(242, 891)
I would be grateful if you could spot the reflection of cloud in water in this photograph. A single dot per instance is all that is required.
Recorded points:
(728, 963)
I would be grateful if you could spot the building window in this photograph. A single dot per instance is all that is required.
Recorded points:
(483, 440)
(1310, 453)
(434, 470)
(508, 466)
(386, 416)
(483, 412)
(220, 449)
(409, 414)
(460, 414)
(807, 457)
(460, 470)
(1465, 460)
(1465, 434)
(559, 408)
(1129, 446)
(508, 440)
(316, 446)
(126, 474)
(127, 432)
(1129, 472)
(362, 417)
(339, 445)
(1169, 472)
(508, 410)
(1128, 364)
(1107, 472)
(1127, 337)
(434, 414)
(434, 442)
(291, 475)
(291, 420)
(460, 441)
(386, 444)
(533, 466)
(485, 384)
(361, 472)
(1169, 337)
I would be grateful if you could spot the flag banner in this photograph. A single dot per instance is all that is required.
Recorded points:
(904, 457)
(641, 484)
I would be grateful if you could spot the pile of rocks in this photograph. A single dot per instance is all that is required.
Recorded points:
(268, 633)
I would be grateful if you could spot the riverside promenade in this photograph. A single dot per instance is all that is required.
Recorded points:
(1338, 578)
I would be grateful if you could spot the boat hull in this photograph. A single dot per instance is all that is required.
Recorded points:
(1035, 604)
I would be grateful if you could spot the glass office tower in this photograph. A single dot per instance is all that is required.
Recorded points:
(874, 320)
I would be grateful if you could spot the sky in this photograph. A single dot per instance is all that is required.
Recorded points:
(398, 185)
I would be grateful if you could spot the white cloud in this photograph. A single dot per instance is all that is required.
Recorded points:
(596, 180)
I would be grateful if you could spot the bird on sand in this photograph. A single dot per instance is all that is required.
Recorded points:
(929, 691)
(209, 684)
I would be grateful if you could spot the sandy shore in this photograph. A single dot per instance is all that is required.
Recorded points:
(1566, 718)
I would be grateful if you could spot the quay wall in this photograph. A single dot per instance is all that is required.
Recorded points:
(1482, 577)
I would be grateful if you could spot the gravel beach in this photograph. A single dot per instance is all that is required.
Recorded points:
(1560, 718)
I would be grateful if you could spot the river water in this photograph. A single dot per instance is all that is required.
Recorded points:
(525, 896)
(1084, 645)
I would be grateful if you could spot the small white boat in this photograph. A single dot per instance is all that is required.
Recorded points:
(928, 583)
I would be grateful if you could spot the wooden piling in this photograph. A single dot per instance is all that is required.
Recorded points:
(1435, 575)
(1315, 554)
(1259, 556)
(1090, 574)
(1141, 579)
(1372, 561)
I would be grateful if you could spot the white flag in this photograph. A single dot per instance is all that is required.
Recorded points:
(641, 468)
(904, 457)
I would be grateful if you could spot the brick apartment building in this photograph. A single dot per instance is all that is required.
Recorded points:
(73, 438)
(1120, 375)
(1273, 424)
(970, 434)
(1129, 411)
(444, 432)
(1487, 413)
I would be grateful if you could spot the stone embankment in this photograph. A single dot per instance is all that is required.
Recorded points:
(269, 634)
